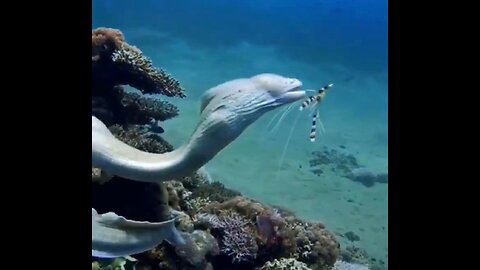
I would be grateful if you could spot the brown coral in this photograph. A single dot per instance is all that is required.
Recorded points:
(139, 72)
(288, 236)
(142, 108)
(177, 194)
(137, 138)
(315, 245)
(124, 64)
(244, 206)
(116, 63)
(214, 191)
(105, 41)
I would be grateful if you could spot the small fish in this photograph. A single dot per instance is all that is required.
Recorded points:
(155, 126)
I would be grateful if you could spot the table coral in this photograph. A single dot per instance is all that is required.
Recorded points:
(116, 63)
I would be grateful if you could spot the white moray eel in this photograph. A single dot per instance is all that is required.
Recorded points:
(226, 111)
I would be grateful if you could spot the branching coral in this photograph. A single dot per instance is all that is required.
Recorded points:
(283, 236)
(116, 63)
(341, 265)
(196, 205)
(215, 191)
(126, 65)
(236, 235)
(244, 206)
(285, 264)
(137, 138)
(139, 73)
(315, 245)
(278, 234)
(142, 108)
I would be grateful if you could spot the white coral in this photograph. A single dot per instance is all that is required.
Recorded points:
(342, 265)
(285, 264)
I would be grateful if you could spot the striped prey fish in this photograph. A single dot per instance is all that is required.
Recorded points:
(313, 102)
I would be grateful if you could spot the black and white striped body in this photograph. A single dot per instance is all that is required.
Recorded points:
(313, 102)
(316, 98)
(313, 130)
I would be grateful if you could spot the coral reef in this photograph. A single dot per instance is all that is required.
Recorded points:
(116, 63)
(214, 191)
(200, 244)
(239, 233)
(146, 107)
(315, 245)
(236, 234)
(285, 264)
(176, 193)
(282, 235)
(346, 165)
(119, 63)
(140, 139)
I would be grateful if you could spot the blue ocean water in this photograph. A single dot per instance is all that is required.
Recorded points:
(204, 43)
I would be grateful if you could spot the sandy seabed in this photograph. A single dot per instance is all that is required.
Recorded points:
(354, 115)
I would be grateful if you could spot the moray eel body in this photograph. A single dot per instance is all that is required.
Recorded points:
(115, 236)
(226, 110)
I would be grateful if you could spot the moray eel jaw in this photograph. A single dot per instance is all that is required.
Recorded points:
(291, 95)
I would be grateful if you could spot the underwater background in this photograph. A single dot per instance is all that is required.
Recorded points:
(204, 43)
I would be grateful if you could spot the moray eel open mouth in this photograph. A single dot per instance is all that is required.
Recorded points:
(292, 95)
(295, 89)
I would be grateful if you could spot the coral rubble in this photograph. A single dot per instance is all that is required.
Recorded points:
(341, 265)
(345, 165)
(357, 256)
(337, 161)
(367, 176)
